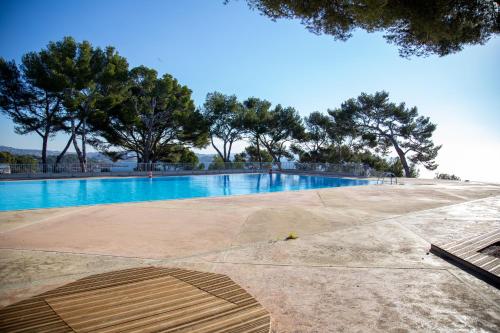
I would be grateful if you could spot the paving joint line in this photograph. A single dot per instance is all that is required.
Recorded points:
(328, 266)
(321, 199)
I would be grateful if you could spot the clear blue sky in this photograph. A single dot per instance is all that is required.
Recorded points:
(229, 48)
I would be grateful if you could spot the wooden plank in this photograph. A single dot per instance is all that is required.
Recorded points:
(466, 254)
(102, 283)
(79, 318)
(144, 299)
(476, 246)
(232, 321)
(170, 319)
(124, 290)
(491, 265)
(454, 244)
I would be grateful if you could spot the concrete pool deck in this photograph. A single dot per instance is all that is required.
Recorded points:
(361, 262)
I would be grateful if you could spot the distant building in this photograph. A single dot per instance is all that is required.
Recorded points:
(4, 168)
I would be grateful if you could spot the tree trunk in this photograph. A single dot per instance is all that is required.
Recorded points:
(84, 142)
(258, 151)
(145, 158)
(146, 153)
(402, 158)
(75, 144)
(61, 155)
(149, 121)
(45, 140)
(276, 160)
(229, 151)
(273, 154)
(70, 141)
(215, 147)
(224, 158)
(279, 162)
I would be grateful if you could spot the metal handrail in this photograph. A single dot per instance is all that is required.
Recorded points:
(92, 168)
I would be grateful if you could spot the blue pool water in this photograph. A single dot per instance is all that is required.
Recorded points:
(15, 195)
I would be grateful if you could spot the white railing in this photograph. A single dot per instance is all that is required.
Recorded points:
(93, 168)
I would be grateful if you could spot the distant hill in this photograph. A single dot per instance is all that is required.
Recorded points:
(33, 152)
(204, 158)
(38, 153)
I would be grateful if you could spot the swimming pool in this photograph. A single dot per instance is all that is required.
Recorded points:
(16, 195)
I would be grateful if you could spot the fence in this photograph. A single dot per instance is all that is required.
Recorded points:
(125, 169)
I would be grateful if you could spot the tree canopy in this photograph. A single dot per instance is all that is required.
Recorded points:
(317, 138)
(6, 157)
(91, 73)
(257, 111)
(225, 116)
(32, 96)
(90, 94)
(383, 124)
(418, 28)
(283, 126)
(180, 154)
(58, 89)
(252, 155)
(156, 114)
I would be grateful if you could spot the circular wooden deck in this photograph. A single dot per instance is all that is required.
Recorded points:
(149, 299)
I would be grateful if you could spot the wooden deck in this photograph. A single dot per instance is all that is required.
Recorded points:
(466, 253)
(149, 299)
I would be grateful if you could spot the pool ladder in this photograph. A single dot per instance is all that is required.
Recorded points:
(391, 175)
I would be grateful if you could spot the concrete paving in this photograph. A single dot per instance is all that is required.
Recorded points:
(361, 261)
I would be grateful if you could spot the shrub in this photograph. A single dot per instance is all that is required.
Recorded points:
(446, 176)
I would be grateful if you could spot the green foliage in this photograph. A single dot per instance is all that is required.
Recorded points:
(59, 88)
(252, 155)
(217, 163)
(226, 119)
(188, 157)
(312, 148)
(346, 154)
(370, 159)
(396, 167)
(155, 114)
(66, 158)
(178, 154)
(382, 125)
(115, 156)
(32, 96)
(446, 176)
(418, 28)
(90, 74)
(91, 94)
(291, 236)
(257, 111)
(240, 158)
(282, 126)
(273, 129)
(6, 157)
